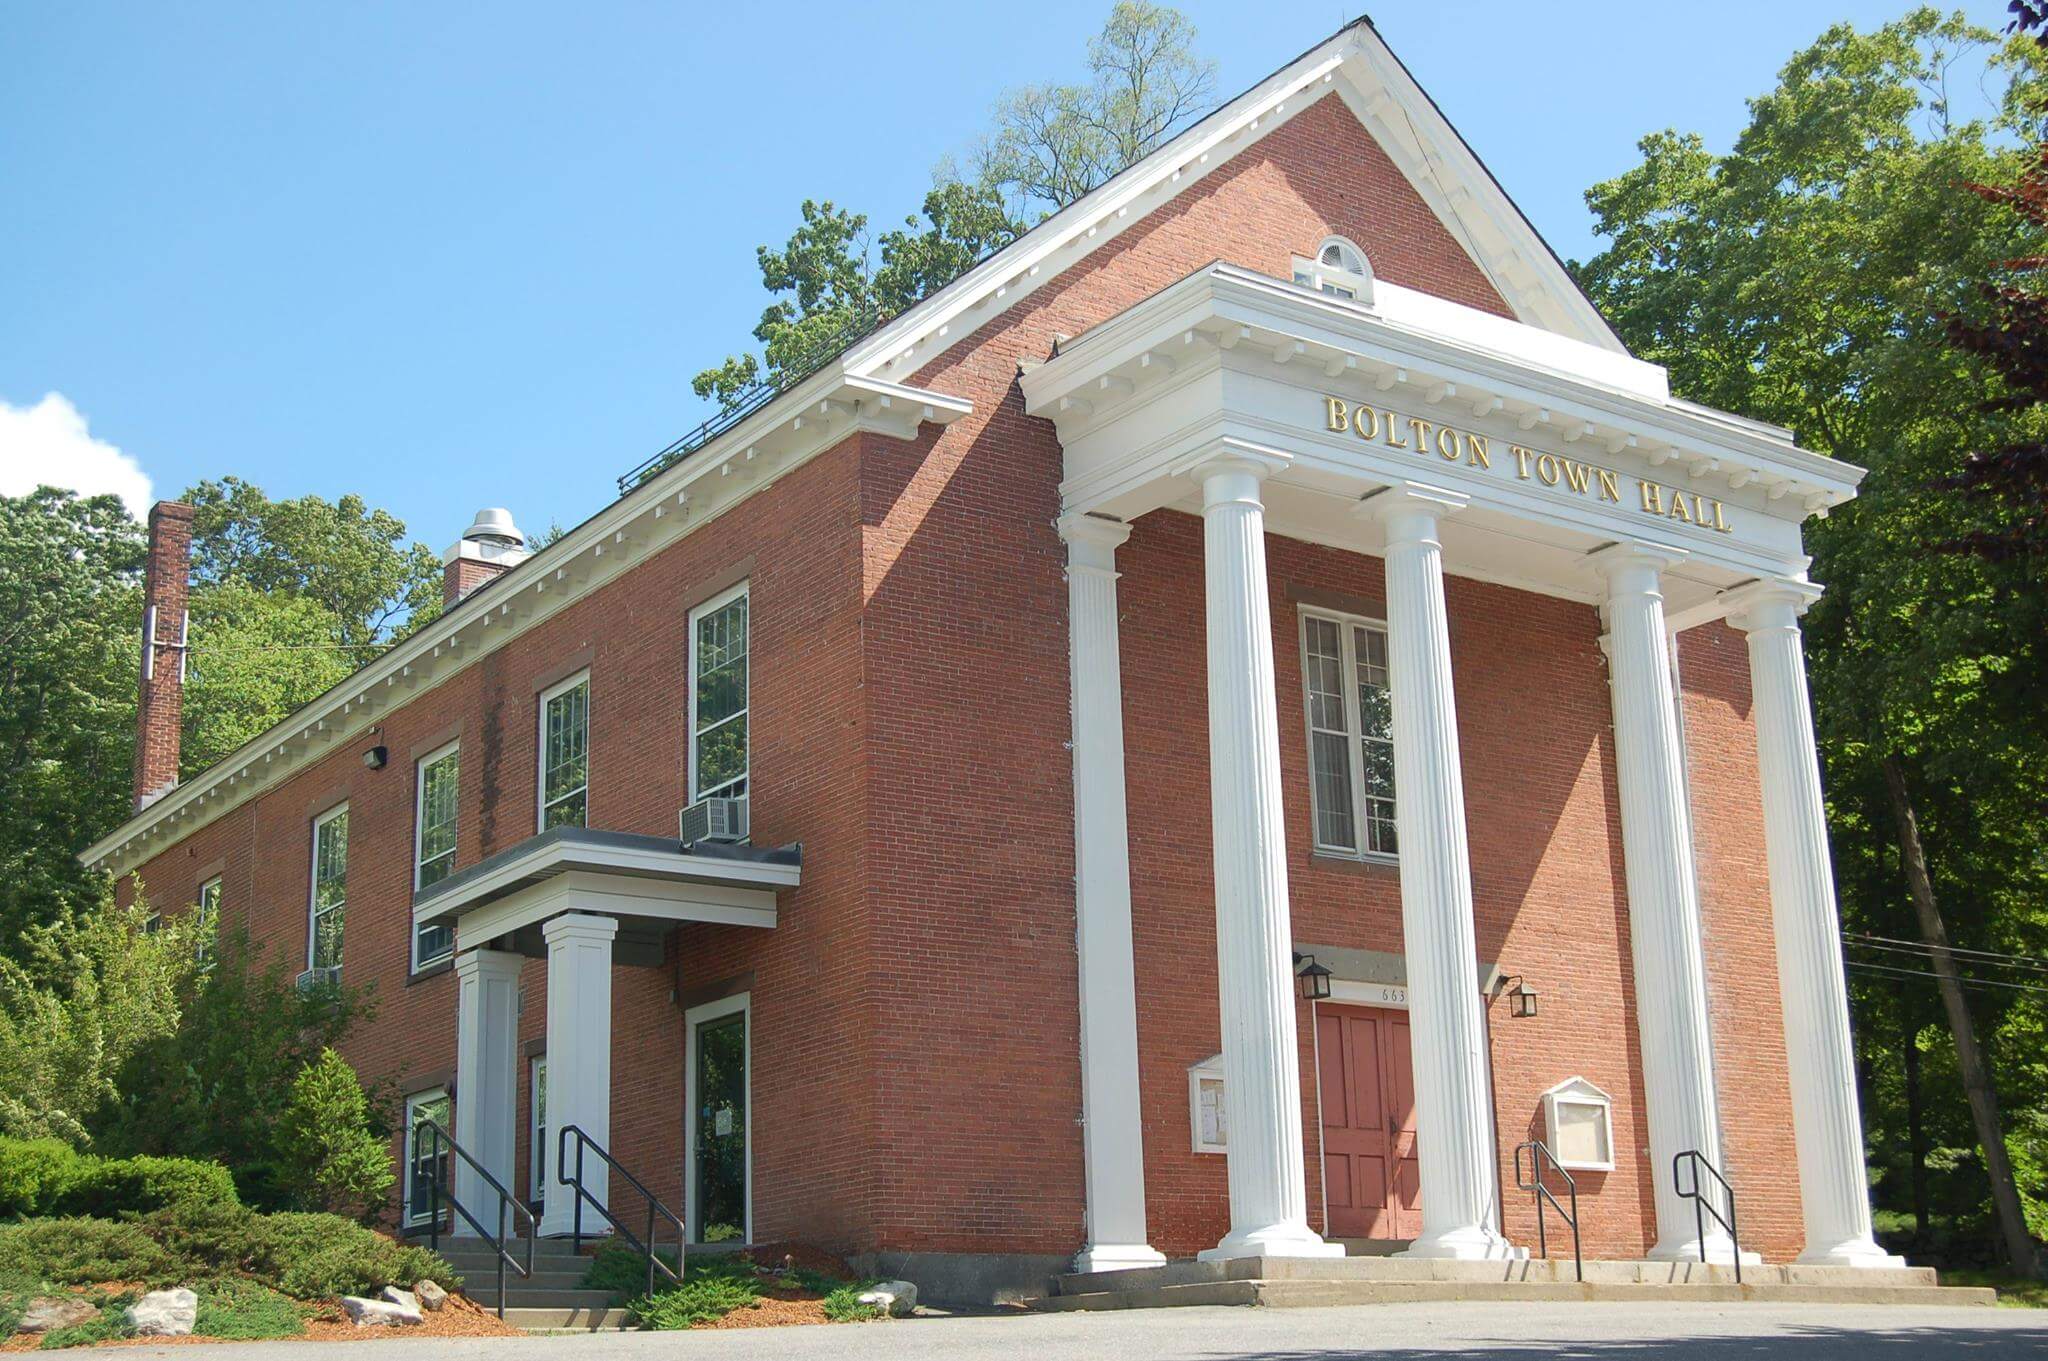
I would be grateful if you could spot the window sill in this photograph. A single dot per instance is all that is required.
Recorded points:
(1338, 860)
(433, 970)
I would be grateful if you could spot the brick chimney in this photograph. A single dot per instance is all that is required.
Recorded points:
(489, 547)
(160, 702)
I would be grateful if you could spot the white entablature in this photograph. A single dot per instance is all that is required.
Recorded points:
(1560, 445)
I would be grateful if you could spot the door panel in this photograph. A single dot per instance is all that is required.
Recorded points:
(1368, 1100)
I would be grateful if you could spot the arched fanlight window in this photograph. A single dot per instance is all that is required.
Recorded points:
(1339, 269)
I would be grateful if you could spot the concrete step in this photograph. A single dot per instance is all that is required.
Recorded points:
(1317, 1294)
(1531, 1270)
(605, 1319)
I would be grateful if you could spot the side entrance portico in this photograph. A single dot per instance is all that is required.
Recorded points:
(585, 901)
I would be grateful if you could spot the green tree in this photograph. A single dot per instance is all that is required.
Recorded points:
(70, 606)
(97, 986)
(338, 1162)
(213, 1088)
(1802, 279)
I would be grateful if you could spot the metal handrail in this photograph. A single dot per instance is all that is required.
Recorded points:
(647, 1246)
(1701, 1209)
(1539, 1154)
(439, 1140)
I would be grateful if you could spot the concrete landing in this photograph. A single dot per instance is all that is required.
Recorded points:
(1279, 1282)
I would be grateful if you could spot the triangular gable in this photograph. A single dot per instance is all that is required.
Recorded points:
(1354, 63)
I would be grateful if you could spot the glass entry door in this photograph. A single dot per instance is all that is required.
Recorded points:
(719, 1138)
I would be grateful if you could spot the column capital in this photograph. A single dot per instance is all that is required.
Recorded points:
(1634, 568)
(1409, 497)
(579, 925)
(488, 963)
(1235, 458)
(1092, 540)
(1770, 603)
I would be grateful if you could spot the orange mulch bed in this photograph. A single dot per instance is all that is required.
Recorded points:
(459, 1317)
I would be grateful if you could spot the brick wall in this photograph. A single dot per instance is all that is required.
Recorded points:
(915, 1035)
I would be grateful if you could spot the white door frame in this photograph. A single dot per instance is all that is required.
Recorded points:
(742, 1004)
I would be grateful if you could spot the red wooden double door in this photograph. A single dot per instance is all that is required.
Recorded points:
(1370, 1180)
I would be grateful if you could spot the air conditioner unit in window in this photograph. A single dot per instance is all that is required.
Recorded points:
(713, 820)
(319, 978)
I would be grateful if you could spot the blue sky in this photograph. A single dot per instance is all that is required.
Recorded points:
(454, 255)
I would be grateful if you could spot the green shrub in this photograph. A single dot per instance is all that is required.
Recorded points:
(34, 1173)
(326, 1143)
(623, 1271)
(321, 1256)
(84, 1252)
(113, 1186)
(247, 1311)
(210, 1238)
(699, 1299)
(842, 1303)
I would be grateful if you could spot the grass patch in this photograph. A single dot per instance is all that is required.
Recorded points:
(2014, 1292)
(247, 1312)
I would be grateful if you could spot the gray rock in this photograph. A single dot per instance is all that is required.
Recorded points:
(431, 1296)
(164, 1313)
(895, 1298)
(379, 1313)
(404, 1299)
(51, 1312)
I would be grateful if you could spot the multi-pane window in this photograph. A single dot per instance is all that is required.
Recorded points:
(565, 754)
(330, 889)
(440, 776)
(427, 1160)
(538, 1149)
(718, 697)
(208, 910)
(1350, 734)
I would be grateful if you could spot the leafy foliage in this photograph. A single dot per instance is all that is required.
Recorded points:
(1803, 279)
(323, 1256)
(699, 1299)
(326, 1141)
(70, 599)
(248, 1312)
(210, 1089)
(84, 1251)
(90, 988)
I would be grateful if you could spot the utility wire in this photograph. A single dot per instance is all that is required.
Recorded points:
(2020, 963)
(2033, 961)
(1964, 982)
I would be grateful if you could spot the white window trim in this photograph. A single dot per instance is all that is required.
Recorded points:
(536, 1156)
(1311, 272)
(203, 952)
(540, 749)
(313, 883)
(694, 1017)
(1208, 1070)
(719, 602)
(413, 1214)
(1353, 726)
(419, 832)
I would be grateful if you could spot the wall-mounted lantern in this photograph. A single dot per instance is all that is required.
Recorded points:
(375, 757)
(1521, 997)
(1314, 979)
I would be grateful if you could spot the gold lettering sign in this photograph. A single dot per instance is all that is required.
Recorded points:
(1571, 476)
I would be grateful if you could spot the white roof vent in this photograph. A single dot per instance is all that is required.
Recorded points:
(494, 526)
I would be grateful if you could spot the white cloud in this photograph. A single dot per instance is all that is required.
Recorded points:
(48, 445)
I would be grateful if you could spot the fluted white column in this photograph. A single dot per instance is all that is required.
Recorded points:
(579, 1053)
(1663, 893)
(1254, 946)
(1112, 1142)
(1447, 1034)
(1813, 993)
(486, 1077)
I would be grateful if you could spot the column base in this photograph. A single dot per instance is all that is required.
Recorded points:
(1118, 1257)
(1275, 1240)
(1720, 1252)
(1471, 1243)
(1855, 1252)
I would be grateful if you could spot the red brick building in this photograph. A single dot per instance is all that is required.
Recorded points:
(1195, 683)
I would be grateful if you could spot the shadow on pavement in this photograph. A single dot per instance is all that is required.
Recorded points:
(1805, 1343)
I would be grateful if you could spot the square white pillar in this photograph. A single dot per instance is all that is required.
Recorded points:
(1112, 1138)
(579, 1057)
(486, 1078)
